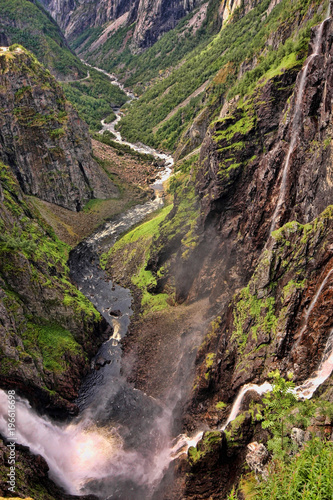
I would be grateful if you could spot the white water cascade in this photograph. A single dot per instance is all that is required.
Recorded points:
(303, 391)
(296, 123)
(75, 453)
(140, 148)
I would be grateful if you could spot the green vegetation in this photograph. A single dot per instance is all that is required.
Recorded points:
(33, 258)
(308, 476)
(108, 138)
(134, 252)
(28, 24)
(242, 40)
(94, 98)
(281, 412)
(154, 62)
(261, 311)
(208, 444)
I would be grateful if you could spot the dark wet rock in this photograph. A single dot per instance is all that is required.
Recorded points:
(100, 362)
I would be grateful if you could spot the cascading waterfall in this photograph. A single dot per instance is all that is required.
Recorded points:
(83, 452)
(296, 124)
(74, 453)
(312, 305)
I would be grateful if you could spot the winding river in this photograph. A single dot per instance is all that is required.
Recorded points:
(121, 443)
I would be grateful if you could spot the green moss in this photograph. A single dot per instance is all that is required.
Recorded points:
(260, 311)
(52, 343)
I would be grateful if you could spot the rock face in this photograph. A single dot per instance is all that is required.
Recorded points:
(48, 329)
(43, 139)
(270, 285)
(27, 23)
(152, 17)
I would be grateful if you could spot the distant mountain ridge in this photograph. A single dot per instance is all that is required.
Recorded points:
(152, 18)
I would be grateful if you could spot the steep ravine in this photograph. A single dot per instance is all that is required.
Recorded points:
(129, 431)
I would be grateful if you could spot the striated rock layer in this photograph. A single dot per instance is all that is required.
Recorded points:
(42, 138)
(152, 18)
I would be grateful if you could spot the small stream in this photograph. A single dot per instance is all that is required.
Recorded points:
(119, 445)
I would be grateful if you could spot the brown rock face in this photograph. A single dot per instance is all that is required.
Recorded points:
(152, 17)
(42, 137)
(40, 309)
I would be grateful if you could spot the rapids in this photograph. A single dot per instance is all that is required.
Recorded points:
(121, 443)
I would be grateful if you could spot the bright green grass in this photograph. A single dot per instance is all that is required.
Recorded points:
(309, 476)
(52, 342)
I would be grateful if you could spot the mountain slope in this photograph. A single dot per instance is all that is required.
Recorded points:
(206, 78)
(42, 138)
(27, 23)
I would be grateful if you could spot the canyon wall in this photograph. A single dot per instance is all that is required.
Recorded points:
(42, 137)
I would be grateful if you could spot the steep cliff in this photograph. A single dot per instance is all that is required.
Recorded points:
(42, 138)
(48, 329)
(27, 23)
(251, 228)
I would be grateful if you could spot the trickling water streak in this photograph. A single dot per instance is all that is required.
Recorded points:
(307, 389)
(312, 304)
(297, 121)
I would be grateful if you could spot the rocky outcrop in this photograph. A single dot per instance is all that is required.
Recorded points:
(43, 139)
(152, 18)
(49, 331)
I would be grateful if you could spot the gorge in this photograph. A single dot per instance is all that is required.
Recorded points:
(145, 348)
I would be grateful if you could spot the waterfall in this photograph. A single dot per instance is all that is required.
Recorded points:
(296, 124)
(312, 304)
(303, 391)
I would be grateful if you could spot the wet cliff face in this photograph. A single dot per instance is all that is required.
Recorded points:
(26, 22)
(279, 317)
(42, 137)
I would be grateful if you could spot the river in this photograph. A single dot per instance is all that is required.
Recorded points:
(121, 443)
